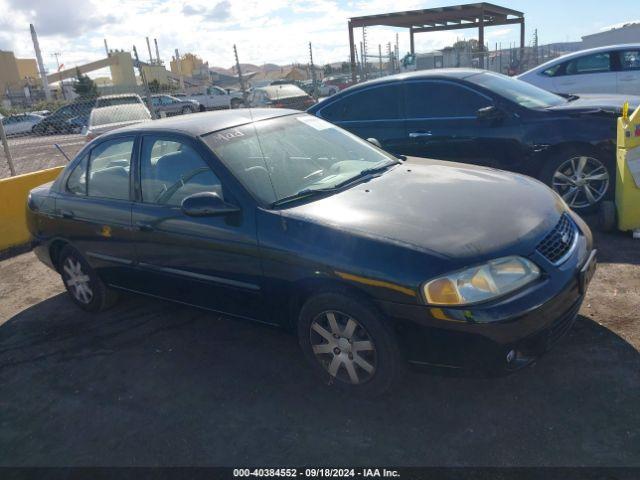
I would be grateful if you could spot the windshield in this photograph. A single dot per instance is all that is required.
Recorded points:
(281, 157)
(518, 91)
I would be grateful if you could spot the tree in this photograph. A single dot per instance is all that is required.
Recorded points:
(84, 86)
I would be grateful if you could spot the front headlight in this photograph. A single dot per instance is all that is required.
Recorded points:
(483, 282)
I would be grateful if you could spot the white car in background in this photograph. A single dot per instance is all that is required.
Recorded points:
(20, 124)
(611, 69)
(104, 119)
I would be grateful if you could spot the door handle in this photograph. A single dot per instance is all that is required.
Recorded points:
(67, 214)
(419, 134)
(144, 227)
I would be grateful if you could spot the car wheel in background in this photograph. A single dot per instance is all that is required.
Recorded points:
(349, 344)
(581, 177)
(187, 110)
(236, 103)
(84, 286)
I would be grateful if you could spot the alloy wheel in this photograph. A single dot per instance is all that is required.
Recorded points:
(581, 181)
(77, 280)
(343, 347)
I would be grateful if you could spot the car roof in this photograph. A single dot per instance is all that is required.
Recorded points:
(580, 53)
(439, 73)
(197, 124)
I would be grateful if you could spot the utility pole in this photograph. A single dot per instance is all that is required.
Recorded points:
(242, 85)
(43, 73)
(364, 50)
(57, 55)
(380, 59)
(363, 75)
(179, 64)
(313, 73)
(145, 84)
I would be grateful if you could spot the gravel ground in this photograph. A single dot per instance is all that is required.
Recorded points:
(153, 383)
(31, 152)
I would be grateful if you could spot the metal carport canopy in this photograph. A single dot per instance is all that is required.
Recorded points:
(472, 15)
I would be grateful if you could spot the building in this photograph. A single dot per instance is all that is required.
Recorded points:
(189, 65)
(629, 33)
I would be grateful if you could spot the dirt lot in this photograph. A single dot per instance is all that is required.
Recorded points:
(152, 383)
(31, 152)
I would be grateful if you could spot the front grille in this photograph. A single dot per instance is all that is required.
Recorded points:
(558, 241)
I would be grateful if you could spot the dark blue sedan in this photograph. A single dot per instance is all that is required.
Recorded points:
(280, 217)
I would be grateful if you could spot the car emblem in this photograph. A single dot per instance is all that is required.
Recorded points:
(565, 238)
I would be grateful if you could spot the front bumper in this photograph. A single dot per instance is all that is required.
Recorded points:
(481, 337)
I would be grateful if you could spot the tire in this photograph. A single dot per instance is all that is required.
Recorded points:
(607, 216)
(74, 270)
(187, 110)
(568, 172)
(328, 340)
(235, 103)
(202, 109)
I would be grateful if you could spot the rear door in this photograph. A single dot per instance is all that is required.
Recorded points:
(372, 112)
(592, 73)
(209, 261)
(629, 71)
(95, 209)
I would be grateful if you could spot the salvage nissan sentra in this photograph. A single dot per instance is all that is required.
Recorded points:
(280, 217)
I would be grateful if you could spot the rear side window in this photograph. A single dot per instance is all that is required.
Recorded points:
(630, 60)
(170, 171)
(77, 181)
(594, 63)
(555, 70)
(377, 103)
(442, 100)
(109, 166)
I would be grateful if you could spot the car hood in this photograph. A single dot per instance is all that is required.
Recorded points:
(589, 103)
(446, 209)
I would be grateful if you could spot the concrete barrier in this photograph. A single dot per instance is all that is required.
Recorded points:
(13, 198)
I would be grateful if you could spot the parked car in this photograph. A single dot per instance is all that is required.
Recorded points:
(217, 98)
(485, 118)
(58, 121)
(105, 119)
(20, 124)
(280, 217)
(280, 96)
(119, 99)
(610, 69)
(171, 105)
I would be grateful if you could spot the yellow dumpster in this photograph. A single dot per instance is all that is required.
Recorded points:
(627, 204)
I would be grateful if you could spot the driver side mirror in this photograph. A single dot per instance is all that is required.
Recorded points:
(207, 204)
(374, 141)
(490, 113)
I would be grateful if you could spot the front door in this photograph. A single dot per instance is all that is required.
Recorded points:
(211, 261)
(443, 123)
(95, 209)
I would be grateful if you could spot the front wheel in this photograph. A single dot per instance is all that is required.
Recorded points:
(349, 344)
(582, 178)
(84, 286)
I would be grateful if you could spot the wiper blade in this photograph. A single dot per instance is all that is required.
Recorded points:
(366, 172)
(307, 192)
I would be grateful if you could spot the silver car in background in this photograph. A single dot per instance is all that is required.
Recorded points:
(104, 119)
(168, 105)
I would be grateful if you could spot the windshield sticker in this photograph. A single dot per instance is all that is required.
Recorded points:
(314, 122)
(227, 135)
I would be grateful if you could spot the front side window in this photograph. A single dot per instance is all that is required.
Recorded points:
(554, 71)
(442, 100)
(281, 157)
(170, 171)
(109, 166)
(77, 181)
(376, 103)
(594, 63)
(630, 60)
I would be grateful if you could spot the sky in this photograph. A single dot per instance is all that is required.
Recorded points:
(265, 31)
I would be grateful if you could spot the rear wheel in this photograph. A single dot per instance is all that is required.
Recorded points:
(581, 177)
(348, 344)
(84, 286)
